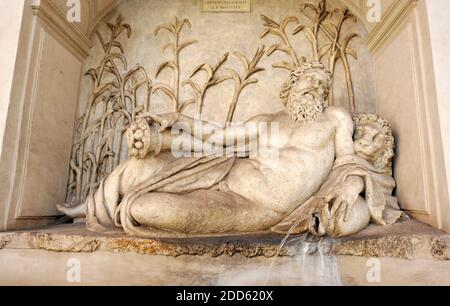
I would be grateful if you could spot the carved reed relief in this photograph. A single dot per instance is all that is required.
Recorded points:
(120, 94)
(323, 29)
(112, 106)
(116, 100)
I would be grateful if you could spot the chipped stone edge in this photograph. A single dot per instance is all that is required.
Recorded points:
(405, 247)
(5, 240)
(440, 247)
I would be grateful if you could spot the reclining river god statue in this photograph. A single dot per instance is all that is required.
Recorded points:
(331, 175)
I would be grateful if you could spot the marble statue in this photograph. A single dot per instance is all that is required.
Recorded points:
(329, 179)
(364, 179)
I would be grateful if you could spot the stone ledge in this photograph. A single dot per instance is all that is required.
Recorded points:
(407, 240)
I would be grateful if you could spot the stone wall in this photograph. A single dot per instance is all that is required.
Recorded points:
(10, 22)
(43, 56)
(408, 100)
(218, 33)
(439, 27)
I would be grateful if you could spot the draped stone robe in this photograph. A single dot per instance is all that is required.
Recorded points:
(109, 212)
(378, 187)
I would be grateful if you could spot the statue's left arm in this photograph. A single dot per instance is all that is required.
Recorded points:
(345, 194)
(344, 129)
(197, 132)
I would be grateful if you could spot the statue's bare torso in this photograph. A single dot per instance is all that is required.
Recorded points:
(306, 153)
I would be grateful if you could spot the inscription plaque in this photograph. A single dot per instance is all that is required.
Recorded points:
(226, 6)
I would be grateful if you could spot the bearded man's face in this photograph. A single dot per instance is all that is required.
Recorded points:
(307, 99)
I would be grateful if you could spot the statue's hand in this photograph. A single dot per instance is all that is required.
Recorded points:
(345, 196)
(165, 121)
(145, 134)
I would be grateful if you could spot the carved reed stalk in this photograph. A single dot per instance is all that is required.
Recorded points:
(336, 54)
(322, 14)
(99, 144)
(251, 68)
(99, 89)
(336, 49)
(279, 30)
(211, 80)
(175, 29)
(349, 81)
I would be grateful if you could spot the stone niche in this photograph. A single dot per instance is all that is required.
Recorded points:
(399, 39)
(219, 37)
(215, 34)
(43, 56)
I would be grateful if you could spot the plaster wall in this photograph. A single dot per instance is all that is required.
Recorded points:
(407, 96)
(10, 24)
(440, 48)
(41, 59)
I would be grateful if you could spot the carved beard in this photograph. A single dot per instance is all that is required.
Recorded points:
(304, 108)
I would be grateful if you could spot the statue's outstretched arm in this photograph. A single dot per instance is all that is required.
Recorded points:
(182, 127)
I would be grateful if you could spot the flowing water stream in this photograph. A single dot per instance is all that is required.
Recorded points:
(311, 265)
(316, 267)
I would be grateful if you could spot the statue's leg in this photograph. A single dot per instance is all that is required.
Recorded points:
(124, 178)
(202, 212)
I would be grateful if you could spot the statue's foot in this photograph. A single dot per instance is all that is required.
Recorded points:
(73, 211)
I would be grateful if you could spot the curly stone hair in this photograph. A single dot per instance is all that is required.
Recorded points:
(384, 159)
(306, 69)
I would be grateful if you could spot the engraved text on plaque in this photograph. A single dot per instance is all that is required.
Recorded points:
(226, 6)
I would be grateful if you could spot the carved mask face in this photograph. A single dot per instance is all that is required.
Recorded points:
(369, 142)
